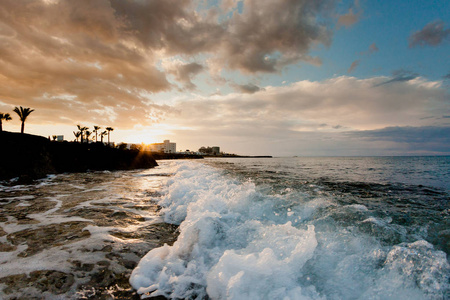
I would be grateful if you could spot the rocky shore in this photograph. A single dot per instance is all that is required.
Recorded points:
(31, 157)
(79, 235)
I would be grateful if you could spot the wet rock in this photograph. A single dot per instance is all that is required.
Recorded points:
(2, 232)
(108, 217)
(7, 247)
(51, 281)
(161, 233)
(79, 266)
(20, 213)
(107, 284)
(49, 236)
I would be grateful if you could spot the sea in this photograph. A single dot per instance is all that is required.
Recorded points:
(249, 228)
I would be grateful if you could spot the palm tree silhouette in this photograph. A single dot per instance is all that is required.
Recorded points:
(5, 117)
(82, 129)
(109, 129)
(96, 129)
(102, 134)
(77, 134)
(87, 133)
(23, 114)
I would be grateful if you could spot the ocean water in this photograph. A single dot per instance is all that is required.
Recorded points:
(281, 228)
(302, 228)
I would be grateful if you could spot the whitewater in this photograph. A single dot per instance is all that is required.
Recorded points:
(232, 228)
(302, 228)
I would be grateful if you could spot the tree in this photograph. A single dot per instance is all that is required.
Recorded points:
(5, 117)
(82, 129)
(77, 134)
(54, 137)
(96, 129)
(109, 129)
(87, 133)
(23, 114)
(102, 134)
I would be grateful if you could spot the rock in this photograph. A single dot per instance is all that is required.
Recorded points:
(51, 281)
(48, 236)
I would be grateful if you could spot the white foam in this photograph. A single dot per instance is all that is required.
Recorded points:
(238, 242)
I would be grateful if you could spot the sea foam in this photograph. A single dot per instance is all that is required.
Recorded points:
(237, 241)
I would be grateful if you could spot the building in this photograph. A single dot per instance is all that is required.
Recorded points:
(215, 150)
(166, 147)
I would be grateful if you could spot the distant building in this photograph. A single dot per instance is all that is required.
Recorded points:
(166, 147)
(210, 150)
(59, 138)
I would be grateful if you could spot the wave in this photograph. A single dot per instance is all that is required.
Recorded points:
(239, 240)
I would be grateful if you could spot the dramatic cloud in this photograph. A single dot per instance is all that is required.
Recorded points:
(433, 34)
(100, 60)
(268, 35)
(353, 66)
(342, 104)
(184, 73)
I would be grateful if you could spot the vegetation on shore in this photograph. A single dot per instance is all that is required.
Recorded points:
(23, 114)
(30, 157)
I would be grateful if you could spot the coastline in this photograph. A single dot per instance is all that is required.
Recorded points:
(29, 157)
(71, 236)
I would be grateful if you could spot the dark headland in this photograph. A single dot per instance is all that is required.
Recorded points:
(31, 157)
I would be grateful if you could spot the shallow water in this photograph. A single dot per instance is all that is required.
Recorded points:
(304, 228)
(78, 236)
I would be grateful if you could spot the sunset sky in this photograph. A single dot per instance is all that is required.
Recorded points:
(256, 77)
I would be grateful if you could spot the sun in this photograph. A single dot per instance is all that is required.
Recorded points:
(148, 135)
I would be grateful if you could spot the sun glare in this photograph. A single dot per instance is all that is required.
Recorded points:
(148, 136)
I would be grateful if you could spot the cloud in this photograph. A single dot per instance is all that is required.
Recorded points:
(269, 35)
(338, 116)
(184, 73)
(352, 103)
(100, 60)
(400, 76)
(247, 88)
(348, 19)
(373, 48)
(353, 66)
(433, 34)
(417, 139)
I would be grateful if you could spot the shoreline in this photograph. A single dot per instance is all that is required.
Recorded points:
(69, 236)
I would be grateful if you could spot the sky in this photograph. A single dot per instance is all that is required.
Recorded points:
(255, 77)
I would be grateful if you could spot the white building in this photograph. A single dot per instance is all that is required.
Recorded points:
(166, 147)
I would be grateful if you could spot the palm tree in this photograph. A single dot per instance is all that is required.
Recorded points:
(102, 134)
(23, 114)
(77, 134)
(109, 129)
(5, 117)
(82, 129)
(96, 129)
(87, 133)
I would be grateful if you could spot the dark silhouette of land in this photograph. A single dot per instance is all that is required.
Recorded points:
(31, 157)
